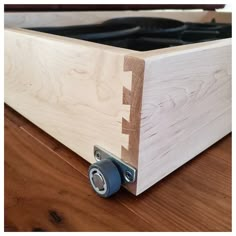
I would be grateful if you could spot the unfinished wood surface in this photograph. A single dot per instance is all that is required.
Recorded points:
(86, 94)
(70, 88)
(33, 19)
(186, 107)
(133, 98)
(44, 193)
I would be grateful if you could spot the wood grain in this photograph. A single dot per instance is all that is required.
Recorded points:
(131, 127)
(72, 89)
(196, 197)
(44, 193)
(186, 107)
(37, 19)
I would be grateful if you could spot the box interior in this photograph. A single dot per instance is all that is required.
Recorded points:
(144, 33)
(136, 30)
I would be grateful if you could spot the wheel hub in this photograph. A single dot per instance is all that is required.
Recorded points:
(98, 181)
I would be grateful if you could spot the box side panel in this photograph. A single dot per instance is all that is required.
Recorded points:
(70, 89)
(186, 107)
(40, 19)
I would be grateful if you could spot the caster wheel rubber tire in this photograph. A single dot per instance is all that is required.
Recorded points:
(105, 178)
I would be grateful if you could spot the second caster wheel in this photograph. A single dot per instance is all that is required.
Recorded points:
(105, 178)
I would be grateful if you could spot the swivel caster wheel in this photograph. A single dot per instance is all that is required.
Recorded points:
(105, 178)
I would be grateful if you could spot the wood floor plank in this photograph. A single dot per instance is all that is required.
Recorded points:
(196, 197)
(44, 193)
(45, 139)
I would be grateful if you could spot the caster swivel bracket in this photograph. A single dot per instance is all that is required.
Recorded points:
(127, 172)
(108, 173)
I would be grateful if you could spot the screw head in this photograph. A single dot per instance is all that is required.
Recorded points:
(128, 176)
(98, 155)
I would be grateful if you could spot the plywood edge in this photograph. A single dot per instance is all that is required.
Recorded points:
(133, 97)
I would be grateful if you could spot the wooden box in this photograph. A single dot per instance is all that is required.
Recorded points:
(155, 110)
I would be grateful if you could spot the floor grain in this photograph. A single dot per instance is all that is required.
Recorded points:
(47, 189)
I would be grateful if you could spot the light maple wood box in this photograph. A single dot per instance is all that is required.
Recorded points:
(155, 110)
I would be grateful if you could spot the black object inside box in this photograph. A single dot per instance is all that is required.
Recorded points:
(144, 33)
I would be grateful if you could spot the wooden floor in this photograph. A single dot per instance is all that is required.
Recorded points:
(47, 189)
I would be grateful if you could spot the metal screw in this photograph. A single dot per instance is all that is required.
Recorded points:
(97, 155)
(128, 176)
